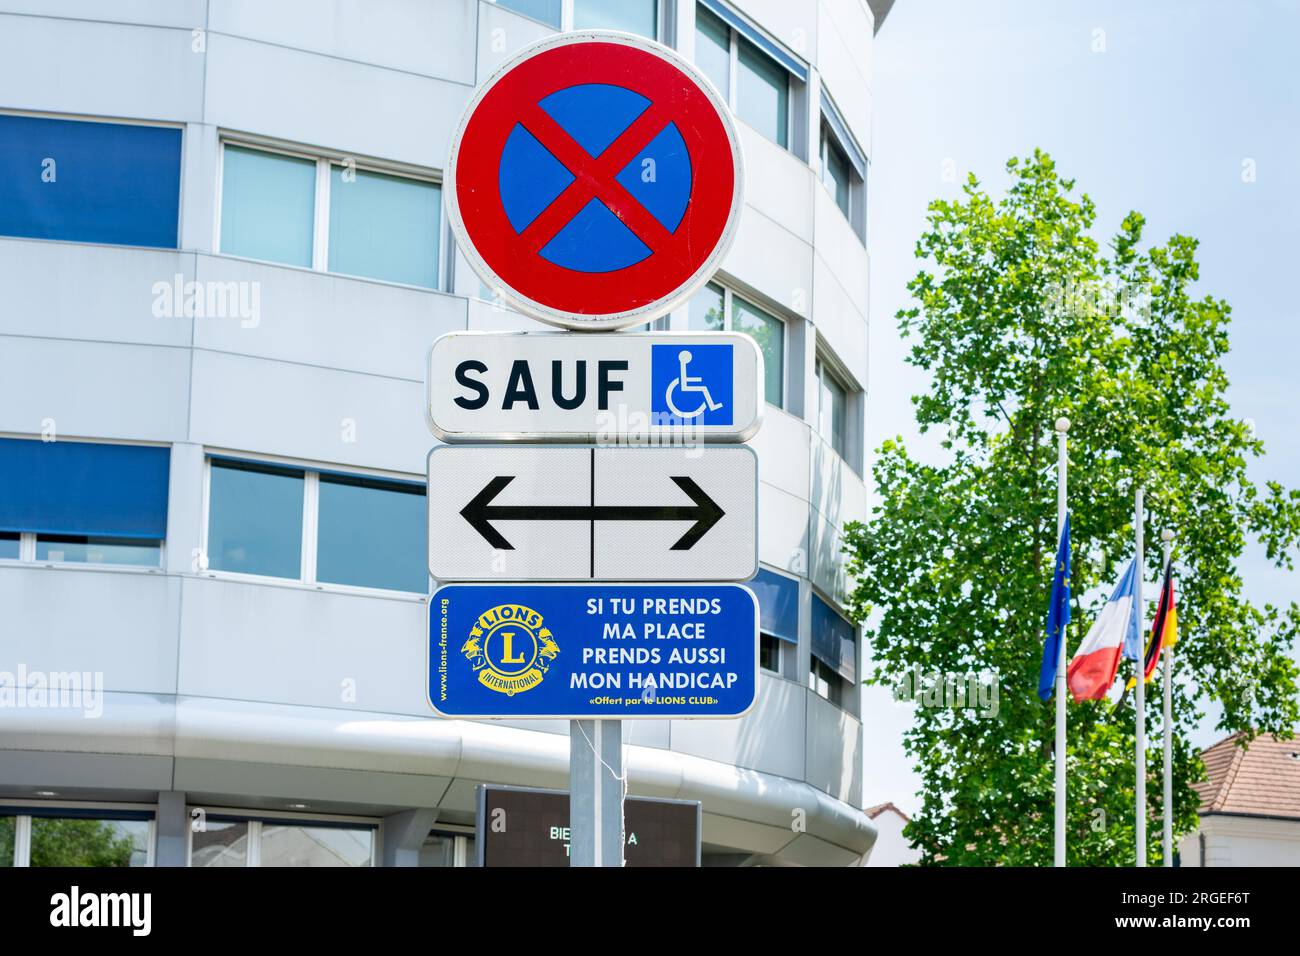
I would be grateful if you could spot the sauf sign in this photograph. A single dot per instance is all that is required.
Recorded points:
(655, 387)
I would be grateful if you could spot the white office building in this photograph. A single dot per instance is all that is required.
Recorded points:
(223, 259)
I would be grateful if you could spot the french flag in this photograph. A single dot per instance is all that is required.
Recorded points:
(1093, 667)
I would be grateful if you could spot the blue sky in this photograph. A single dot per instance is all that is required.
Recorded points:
(1157, 106)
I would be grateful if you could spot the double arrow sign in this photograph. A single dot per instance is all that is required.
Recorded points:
(561, 513)
(704, 512)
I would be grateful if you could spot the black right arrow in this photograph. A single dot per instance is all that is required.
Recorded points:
(480, 513)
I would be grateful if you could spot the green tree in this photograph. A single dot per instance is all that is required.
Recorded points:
(74, 842)
(1019, 317)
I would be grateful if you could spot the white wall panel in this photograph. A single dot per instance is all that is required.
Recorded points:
(302, 411)
(834, 745)
(118, 624)
(116, 391)
(411, 35)
(102, 69)
(297, 646)
(330, 321)
(72, 290)
(331, 103)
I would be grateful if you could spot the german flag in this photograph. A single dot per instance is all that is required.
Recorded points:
(1165, 629)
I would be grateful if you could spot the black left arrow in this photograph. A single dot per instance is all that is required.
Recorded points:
(480, 513)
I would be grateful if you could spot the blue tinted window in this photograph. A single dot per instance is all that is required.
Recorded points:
(384, 227)
(84, 488)
(547, 11)
(762, 93)
(769, 333)
(89, 549)
(9, 541)
(372, 534)
(631, 16)
(255, 519)
(268, 206)
(713, 50)
(89, 182)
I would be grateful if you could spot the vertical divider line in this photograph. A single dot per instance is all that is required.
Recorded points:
(593, 514)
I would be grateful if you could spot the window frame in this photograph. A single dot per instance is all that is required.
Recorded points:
(255, 820)
(306, 579)
(567, 17)
(23, 822)
(829, 365)
(27, 539)
(325, 161)
(728, 298)
(735, 38)
(835, 133)
(830, 142)
(119, 121)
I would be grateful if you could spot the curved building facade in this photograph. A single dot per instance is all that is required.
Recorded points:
(224, 257)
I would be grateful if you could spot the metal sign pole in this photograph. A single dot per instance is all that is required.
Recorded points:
(596, 793)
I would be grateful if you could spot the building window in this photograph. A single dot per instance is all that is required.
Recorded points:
(287, 844)
(631, 16)
(825, 682)
(255, 519)
(94, 549)
(372, 533)
(8, 840)
(754, 74)
(836, 171)
(220, 843)
(78, 841)
(545, 11)
(316, 527)
(778, 616)
(384, 227)
(713, 50)
(843, 166)
(762, 94)
(715, 308)
(833, 410)
(10, 545)
(376, 224)
(83, 502)
(76, 838)
(84, 181)
(444, 848)
(282, 841)
(268, 203)
(833, 667)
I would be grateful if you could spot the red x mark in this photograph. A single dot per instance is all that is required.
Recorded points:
(595, 177)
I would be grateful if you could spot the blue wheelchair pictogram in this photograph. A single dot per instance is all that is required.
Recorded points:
(691, 384)
(595, 116)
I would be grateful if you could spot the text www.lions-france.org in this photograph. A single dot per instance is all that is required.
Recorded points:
(77, 909)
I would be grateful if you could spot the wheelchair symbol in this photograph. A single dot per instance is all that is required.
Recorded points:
(684, 383)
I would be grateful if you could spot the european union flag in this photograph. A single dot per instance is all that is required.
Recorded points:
(1058, 614)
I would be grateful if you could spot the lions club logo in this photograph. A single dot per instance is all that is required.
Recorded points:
(510, 649)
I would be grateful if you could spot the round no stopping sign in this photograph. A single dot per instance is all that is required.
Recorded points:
(595, 181)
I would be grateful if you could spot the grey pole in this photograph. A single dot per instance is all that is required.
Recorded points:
(595, 793)
(1140, 697)
(1167, 831)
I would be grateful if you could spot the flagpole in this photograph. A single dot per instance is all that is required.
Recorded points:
(1167, 837)
(1062, 428)
(1140, 699)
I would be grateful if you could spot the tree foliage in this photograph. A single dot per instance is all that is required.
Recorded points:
(1020, 317)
